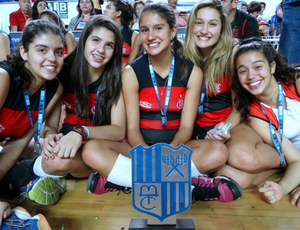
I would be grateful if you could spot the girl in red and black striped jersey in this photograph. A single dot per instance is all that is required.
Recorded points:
(209, 44)
(122, 13)
(161, 92)
(267, 96)
(29, 94)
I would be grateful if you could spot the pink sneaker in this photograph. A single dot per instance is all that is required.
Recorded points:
(219, 188)
(98, 185)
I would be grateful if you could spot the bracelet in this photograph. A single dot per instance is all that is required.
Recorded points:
(79, 130)
(87, 132)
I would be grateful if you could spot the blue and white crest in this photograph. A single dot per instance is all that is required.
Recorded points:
(161, 179)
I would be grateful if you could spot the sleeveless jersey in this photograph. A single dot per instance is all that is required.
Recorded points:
(255, 111)
(14, 120)
(150, 113)
(68, 98)
(216, 108)
(127, 34)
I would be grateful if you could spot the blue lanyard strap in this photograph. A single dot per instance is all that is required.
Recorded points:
(121, 28)
(203, 91)
(168, 93)
(40, 119)
(280, 122)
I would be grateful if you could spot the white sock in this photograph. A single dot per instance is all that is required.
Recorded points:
(121, 172)
(38, 169)
(194, 170)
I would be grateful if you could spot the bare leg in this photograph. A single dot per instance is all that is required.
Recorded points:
(246, 180)
(62, 166)
(101, 155)
(248, 153)
(250, 161)
(208, 155)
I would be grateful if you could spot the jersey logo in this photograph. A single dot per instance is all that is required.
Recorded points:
(1, 128)
(179, 104)
(145, 104)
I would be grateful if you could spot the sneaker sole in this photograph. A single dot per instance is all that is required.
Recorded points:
(90, 184)
(46, 191)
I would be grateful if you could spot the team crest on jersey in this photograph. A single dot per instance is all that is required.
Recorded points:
(179, 104)
(145, 104)
(1, 128)
(161, 179)
(218, 87)
(67, 104)
(93, 109)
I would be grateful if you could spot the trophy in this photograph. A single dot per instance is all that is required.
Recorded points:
(161, 186)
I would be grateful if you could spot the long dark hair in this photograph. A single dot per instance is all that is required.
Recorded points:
(111, 83)
(126, 9)
(166, 12)
(34, 11)
(32, 30)
(283, 72)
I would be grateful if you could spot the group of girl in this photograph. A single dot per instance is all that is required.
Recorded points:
(164, 95)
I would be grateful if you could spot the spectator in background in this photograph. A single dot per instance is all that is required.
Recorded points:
(37, 8)
(290, 36)
(181, 15)
(279, 14)
(137, 8)
(122, 13)
(4, 26)
(244, 7)
(263, 27)
(17, 19)
(273, 25)
(69, 38)
(97, 5)
(263, 15)
(6, 45)
(254, 8)
(243, 25)
(85, 9)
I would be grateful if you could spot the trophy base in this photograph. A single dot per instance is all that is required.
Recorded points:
(181, 224)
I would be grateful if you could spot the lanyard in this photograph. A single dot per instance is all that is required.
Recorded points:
(37, 146)
(203, 91)
(280, 122)
(96, 102)
(168, 93)
(121, 29)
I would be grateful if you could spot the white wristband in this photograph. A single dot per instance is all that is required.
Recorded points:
(87, 132)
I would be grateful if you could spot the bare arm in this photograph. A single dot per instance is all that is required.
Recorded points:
(290, 180)
(5, 46)
(70, 41)
(190, 108)
(131, 95)
(136, 46)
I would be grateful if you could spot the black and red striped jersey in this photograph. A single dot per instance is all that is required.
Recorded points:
(150, 113)
(68, 99)
(216, 108)
(14, 120)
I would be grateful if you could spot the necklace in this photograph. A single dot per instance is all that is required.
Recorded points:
(164, 85)
(272, 98)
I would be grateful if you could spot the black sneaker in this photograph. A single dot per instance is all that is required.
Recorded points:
(98, 185)
(220, 188)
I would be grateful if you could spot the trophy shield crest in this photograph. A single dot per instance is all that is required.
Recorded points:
(161, 179)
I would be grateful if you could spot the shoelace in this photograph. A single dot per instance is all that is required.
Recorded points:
(111, 186)
(205, 192)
